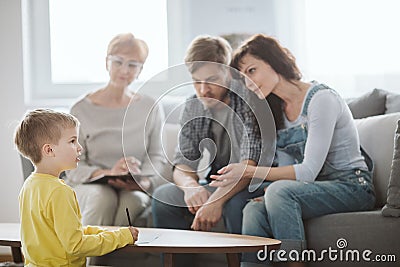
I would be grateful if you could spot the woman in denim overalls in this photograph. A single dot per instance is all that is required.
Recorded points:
(319, 167)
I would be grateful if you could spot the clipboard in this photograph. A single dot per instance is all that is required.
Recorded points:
(103, 179)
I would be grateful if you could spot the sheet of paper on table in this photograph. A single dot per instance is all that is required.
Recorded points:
(147, 237)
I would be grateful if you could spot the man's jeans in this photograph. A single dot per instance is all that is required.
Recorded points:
(287, 203)
(170, 211)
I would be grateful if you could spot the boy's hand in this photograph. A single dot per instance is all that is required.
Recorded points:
(134, 233)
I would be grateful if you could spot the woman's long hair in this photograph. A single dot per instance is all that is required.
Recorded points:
(280, 59)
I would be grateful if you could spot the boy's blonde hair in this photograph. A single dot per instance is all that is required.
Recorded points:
(39, 127)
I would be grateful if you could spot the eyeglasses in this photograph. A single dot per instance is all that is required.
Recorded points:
(118, 63)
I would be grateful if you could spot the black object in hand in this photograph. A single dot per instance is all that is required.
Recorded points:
(129, 217)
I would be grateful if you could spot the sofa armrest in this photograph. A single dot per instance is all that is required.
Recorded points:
(377, 138)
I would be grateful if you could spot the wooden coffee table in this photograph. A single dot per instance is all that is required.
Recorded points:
(10, 236)
(167, 241)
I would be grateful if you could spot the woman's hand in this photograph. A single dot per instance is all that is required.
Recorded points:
(131, 185)
(230, 175)
(126, 164)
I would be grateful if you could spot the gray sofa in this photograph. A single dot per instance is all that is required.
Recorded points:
(367, 230)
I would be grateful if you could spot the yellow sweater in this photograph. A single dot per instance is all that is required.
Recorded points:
(51, 229)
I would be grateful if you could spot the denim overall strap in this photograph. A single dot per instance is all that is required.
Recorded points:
(310, 95)
(292, 140)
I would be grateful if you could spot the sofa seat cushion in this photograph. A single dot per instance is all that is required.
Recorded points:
(377, 138)
(360, 230)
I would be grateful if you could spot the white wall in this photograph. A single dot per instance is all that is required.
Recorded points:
(12, 106)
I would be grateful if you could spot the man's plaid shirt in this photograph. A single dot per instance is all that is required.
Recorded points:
(196, 127)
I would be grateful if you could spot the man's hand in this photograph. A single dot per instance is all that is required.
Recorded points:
(195, 197)
(207, 217)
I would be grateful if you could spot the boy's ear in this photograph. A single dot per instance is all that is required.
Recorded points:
(47, 150)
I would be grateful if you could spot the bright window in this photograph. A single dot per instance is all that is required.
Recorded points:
(80, 32)
(352, 44)
(67, 43)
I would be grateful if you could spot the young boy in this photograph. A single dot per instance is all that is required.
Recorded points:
(51, 229)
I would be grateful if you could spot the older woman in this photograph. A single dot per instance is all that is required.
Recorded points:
(320, 170)
(108, 115)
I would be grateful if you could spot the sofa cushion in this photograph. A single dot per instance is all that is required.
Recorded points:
(172, 107)
(392, 103)
(365, 230)
(169, 142)
(369, 104)
(377, 138)
(392, 208)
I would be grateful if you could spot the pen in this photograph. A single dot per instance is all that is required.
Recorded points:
(129, 217)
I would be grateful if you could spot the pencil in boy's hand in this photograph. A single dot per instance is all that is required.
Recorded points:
(129, 217)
